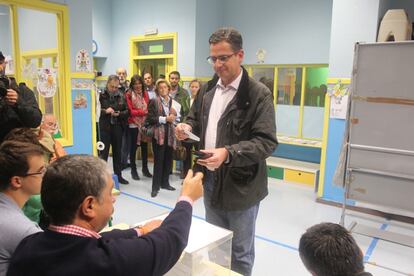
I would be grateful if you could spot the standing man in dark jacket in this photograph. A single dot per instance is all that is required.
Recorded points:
(235, 121)
(114, 115)
(18, 106)
(179, 94)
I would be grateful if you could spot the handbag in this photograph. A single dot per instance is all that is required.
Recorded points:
(179, 153)
(147, 130)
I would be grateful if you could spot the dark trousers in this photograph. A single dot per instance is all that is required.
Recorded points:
(162, 165)
(126, 145)
(188, 159)
(112, 137)
(133, 135)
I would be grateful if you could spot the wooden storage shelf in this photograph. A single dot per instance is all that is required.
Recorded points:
(293, 171)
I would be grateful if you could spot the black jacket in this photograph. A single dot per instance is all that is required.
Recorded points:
(115, 253)
(118, 103)
(25, 113)
(247, 129)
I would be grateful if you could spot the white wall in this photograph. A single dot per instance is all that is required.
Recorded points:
(352, 21)
(209, 17)
(294, 31)
(80, 26)
(131, 18)
(102, 26)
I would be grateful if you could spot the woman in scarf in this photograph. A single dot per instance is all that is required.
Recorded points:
(162, 116)
(137, 99)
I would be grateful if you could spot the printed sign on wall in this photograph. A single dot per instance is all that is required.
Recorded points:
(339, 93)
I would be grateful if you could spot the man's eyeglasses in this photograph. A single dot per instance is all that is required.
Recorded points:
(222, 59)
(41, 172)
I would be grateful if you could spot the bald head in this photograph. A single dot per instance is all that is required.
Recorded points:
(122, 74)
(49, 124)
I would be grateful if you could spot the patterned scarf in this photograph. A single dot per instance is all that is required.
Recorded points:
(159, 132)
(138, 102)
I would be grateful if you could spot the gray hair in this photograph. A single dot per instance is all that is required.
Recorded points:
(111, 78)
(229, 35)
(68, 181)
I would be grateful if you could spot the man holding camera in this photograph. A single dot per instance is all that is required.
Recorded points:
(18, 106)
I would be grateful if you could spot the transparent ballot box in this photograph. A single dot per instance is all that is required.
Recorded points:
(208, 252)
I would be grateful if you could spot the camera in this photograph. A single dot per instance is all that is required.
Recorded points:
(4, 85)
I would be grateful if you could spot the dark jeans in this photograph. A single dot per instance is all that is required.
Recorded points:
(188, 160)
(243, 225)
(162, 165)
(133, 134)
(126, 145)
(113, 138)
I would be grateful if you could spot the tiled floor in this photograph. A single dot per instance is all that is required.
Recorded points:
(283, 216)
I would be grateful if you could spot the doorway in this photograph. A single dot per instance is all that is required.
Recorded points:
(156, 54)
(157, 67)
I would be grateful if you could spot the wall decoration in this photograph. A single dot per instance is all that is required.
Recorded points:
(82, 84)
(83, 62)
(261, 54)
(9, 65)
(339, 92)
(94, 47)
(80, 101)
(46, 82)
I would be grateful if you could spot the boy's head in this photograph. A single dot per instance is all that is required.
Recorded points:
(328, 249)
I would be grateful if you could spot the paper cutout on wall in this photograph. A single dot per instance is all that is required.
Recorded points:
(80, 101)
(83, 62)
(82, 84)
(9, 65)
(46, 82)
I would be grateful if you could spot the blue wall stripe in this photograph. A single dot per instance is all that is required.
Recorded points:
(198, 217)
(373, 244)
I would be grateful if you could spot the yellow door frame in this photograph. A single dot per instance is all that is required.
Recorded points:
(62, 26)
(171, 59)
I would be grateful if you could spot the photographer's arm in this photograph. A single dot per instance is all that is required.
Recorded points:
(27, 108)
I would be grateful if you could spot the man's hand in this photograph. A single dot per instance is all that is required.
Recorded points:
(219, 156)
(109, 110)
(149, 226)
(192, 185)
(179, 131)
(11, 97)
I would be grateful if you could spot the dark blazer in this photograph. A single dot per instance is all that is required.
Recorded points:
(118, 103)
(119, 252)
(247, 129)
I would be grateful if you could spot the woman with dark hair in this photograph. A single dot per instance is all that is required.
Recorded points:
(114, 113)
(137, 100)
(162, 116)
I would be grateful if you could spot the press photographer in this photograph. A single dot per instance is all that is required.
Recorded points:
(18, 106)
